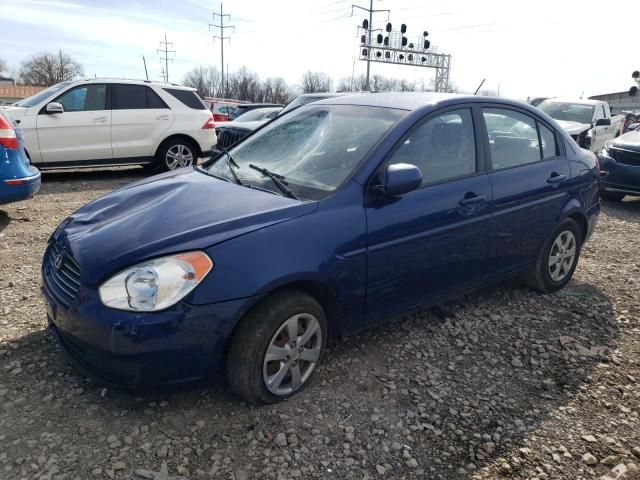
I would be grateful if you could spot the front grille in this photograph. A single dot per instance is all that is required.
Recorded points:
(228, 137)
(625, 156)
(61, 273)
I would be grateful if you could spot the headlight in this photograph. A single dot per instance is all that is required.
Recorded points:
(156, 284)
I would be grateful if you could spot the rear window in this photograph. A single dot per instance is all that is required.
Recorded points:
(187, 97)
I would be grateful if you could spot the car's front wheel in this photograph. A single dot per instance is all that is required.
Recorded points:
(176, 153)
(557, 260)
(277, 347)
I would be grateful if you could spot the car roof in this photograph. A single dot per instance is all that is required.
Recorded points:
(416, 100)
(135, 82)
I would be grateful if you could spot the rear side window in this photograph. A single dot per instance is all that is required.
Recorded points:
(84, 98)
(187, 97)
(513, 138)
(134, 97)
(443, 147)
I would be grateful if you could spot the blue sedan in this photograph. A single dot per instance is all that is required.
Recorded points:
(18, 179)
(332, 218)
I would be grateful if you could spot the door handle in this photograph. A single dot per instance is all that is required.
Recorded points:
(162, 117)
(100, 120)
(472, 198)
(555, 178)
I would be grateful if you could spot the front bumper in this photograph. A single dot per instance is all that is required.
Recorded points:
(619, 177)
(15, 189)
(143, 351)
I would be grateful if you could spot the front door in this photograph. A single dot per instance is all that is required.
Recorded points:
(530, 177)
(81, 132)
(431, 242)
(140, 118)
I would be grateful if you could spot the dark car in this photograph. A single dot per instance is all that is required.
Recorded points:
(246, 107)
(330, 219)
(231, 133)
(620, 166)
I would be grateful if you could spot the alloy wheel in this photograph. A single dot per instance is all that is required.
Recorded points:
(292, 354)
(562, 256)
(178, 156)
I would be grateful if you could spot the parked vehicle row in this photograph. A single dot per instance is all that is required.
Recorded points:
(425, 196)
(100, 122)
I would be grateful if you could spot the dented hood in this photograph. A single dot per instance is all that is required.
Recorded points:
(173, 212)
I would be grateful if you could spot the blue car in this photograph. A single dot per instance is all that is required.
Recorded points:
(19, 180)
(620, 164)
(328, 220)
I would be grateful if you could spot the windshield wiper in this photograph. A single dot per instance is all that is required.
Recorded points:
(232, 164)
(277, 179)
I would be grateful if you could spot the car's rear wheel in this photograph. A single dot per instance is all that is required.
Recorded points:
(557, 260)
(277, 347)
(612, 196)
(176, 153)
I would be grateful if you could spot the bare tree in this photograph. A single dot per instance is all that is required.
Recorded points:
(206, 80)
(314, 82)
(45, 69)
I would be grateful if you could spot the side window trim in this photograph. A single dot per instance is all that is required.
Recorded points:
(479, 150)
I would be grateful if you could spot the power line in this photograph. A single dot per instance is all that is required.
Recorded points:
(166, 58)
(222, 38)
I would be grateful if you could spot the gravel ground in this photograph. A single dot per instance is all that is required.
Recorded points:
(504, 383)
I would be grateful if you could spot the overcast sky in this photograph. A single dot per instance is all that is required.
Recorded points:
(542, 47)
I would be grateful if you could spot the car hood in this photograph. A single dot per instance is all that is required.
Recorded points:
(16, 112)
(168, 213)
(249, 126)
(573, 128)
(628, 141)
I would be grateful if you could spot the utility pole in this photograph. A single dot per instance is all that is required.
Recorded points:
(166, 58)
(222, 38)
(146, 73)
(369, 28)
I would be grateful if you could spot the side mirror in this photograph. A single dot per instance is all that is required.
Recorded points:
(54, 107)
(603, 122)
(400, 178)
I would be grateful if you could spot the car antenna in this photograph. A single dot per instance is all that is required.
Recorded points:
(479, 86)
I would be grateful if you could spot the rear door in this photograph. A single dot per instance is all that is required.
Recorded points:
(82, 131)
(431, 242)
(530, 176)
(140, 117)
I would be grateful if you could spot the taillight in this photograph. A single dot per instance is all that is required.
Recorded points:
(8, 137)
(209, 123)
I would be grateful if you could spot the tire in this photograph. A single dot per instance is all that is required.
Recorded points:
(176, 153)
(612, 196)
(547, 278)
(268, 325)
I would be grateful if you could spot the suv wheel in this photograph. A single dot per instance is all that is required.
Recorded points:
(557, 260)
(176, 153)
(277, 347)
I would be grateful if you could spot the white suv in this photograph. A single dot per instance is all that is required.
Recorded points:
(99, 122)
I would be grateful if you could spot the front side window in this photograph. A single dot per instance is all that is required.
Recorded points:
(84, 98)
(39, 97)
(315, 148)
(513, 138)
(442, 148)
